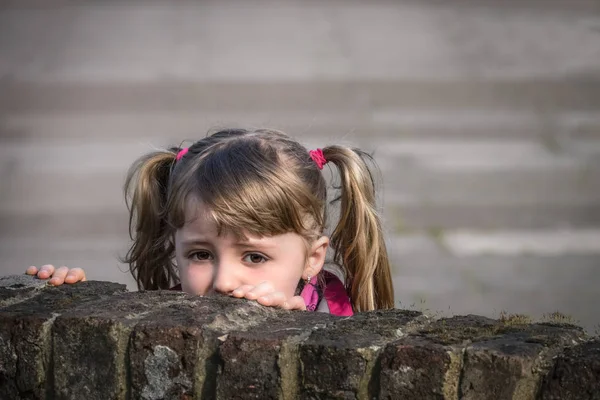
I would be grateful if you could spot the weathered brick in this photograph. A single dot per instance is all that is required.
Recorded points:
(94, 340)
(249, 368)
(26, 333)
(575, 374)
(426, 363)
(8, 361)
(17, 288)
(510, 365)
(261, 363)
(174, 353)
(414, 368)
(90, 345)
(338, 362)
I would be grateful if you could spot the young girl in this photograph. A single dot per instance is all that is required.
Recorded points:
(243, 213)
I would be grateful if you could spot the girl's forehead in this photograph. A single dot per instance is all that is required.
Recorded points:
(198, 217)
(199, 221)
(196, 209)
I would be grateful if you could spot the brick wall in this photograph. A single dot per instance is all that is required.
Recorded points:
(95, 340)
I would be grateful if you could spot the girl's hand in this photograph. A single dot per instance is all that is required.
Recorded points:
(265, 294)
(59, 276)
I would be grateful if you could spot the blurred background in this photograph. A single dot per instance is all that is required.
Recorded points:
(484, 117)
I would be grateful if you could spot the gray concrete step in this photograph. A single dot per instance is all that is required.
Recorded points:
(554, 187)
(319, 95)
(43, 189)
(366, 129)
(438, 217)
(488, 284)
(266, 40)
(450, 183)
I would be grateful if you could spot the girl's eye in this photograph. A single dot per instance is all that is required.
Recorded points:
(201, 256)
(255, 258)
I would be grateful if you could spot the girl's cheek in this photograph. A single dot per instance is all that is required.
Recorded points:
(195, 280)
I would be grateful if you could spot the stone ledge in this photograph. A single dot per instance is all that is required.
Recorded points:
(357, 96)
(95, 340)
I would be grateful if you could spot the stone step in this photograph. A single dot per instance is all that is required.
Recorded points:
(74, 225)
(530, 272)
(472, 243)
(512, 187)
(60, 193)
(75, 159)
(355, 96)
(359, 129)
(208, 41)
(51, 192)
(465, 243)
(488, 154)
(450, 154)
(437, 217)
(480, 123)
(80, 216)
(487, 284)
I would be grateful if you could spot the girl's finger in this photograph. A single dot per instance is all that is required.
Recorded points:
(31, 270)
(46, 271)
(275, 299)
(58, 278)
(75, 275)
(259, 290)
(241, 291)
(295, 303)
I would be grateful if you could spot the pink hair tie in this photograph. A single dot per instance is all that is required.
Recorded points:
(181, 153)
(318, 157)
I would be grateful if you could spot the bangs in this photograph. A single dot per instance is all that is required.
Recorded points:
(246, 190)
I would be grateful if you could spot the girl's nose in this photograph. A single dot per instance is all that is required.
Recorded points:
(225, 280)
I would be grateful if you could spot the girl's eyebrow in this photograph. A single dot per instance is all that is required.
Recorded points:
(191, 242)
(239, 244)
(254, 243)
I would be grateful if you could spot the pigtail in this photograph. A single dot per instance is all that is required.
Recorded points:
(150, 257)
(358, 237)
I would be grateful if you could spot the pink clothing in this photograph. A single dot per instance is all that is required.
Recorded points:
(334, 292)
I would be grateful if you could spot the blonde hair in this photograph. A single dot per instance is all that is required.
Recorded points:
(264, 183)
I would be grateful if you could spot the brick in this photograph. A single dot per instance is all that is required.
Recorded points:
(414, 369)
(575, 374)
(510, 365)
(17, 288)
(26, 335)
(174, 353)
(338, 362)
(261, 363)
(426, 363)
(94, 340)
(90, 344)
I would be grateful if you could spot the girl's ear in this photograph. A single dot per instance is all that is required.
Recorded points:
(316, 257)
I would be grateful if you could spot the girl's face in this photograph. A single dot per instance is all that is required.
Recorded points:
(208, 262)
